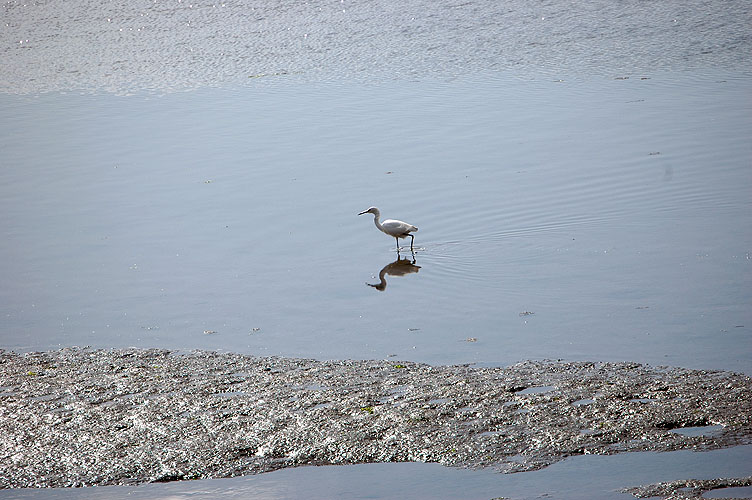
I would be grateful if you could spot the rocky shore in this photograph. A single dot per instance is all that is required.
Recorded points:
(78, 417)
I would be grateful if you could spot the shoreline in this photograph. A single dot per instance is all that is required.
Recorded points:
(131, 416)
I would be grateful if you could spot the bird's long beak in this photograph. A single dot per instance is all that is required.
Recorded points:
(363, 212)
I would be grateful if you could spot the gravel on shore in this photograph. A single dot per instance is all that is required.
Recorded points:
(79, 416)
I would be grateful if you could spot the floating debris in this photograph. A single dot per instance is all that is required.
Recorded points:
(210, 332)
(263, 75)
(526, 313)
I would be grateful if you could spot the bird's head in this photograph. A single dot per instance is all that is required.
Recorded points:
(372, 210)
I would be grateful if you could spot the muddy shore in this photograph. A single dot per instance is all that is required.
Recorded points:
(79, 417)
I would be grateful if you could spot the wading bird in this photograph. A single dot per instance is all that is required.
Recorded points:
(394, 228)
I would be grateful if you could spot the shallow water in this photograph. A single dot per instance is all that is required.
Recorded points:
(593, 477)
(600, 220)
(168, 45)
(738, 492)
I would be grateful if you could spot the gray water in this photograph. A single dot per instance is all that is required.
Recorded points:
(617, 212)
(188, 175)
(591, 477)
(168, 45)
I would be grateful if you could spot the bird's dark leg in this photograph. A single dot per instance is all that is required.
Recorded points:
(397, 243)
(412, 238)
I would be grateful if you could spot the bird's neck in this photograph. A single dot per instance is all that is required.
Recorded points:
(377, 221)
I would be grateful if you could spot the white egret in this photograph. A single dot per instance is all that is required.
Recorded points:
(394, 228)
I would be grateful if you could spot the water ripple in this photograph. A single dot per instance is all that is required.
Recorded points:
(171, 46)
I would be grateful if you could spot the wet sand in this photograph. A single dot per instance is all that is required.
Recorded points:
(79, 417)
(690, 489)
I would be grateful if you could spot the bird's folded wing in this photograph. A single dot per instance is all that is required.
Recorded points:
(397, 226)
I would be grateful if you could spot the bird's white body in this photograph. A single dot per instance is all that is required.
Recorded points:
(394, 228)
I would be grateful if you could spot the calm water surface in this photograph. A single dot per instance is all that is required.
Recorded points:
(586, 476)
(187, 175)
(603, 220)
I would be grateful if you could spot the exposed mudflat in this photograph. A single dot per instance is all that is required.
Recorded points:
(79, 417)
(690, 489)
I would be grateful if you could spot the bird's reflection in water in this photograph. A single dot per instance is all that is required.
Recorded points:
(399, 267)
